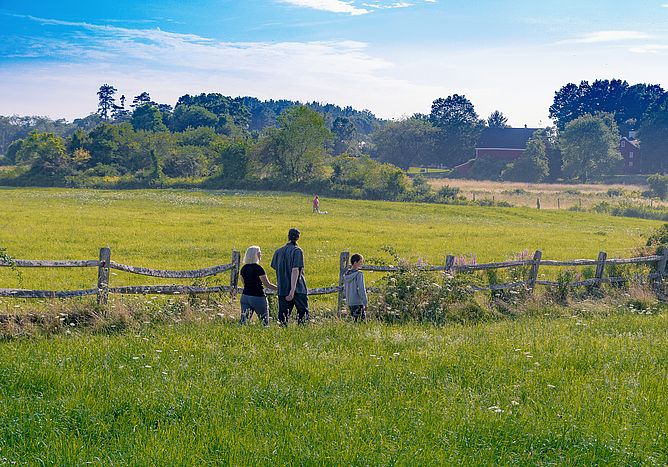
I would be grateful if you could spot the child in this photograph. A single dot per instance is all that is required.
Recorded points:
(354, 289)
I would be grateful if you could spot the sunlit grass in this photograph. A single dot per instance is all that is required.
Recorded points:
(536, 391)
(189, 229)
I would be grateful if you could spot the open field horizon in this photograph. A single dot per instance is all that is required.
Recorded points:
(578, 385)
(181, 229)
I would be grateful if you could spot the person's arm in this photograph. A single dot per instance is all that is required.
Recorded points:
(266, 283)
(362, 290)
(293, 284)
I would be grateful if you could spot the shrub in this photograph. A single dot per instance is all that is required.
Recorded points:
(562, 291)
(413, 293)
(448, 192)
(658, 185)
(615, 192)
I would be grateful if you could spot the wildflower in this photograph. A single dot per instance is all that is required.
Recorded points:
(495, 408)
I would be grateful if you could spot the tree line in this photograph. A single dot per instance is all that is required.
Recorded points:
(221, 141)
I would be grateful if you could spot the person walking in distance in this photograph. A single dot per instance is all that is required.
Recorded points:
(288, 262)
(316, 204)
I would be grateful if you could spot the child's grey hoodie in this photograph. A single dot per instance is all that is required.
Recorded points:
(354, 289)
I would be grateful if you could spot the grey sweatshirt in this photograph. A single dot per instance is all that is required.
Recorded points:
(354, 289)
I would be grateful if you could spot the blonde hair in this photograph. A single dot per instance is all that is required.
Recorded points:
(252, 255)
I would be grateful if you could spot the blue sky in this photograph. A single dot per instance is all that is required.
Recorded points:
(393, 57)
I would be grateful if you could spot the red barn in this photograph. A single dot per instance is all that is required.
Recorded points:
(504, 144)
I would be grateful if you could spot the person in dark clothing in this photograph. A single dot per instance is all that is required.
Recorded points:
(354, 288)
(288, 261)
(253, 298)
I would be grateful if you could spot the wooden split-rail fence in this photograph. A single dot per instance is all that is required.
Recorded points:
(104, 265)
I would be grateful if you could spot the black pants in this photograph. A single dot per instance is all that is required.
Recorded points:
(357, 312)
(285, 308)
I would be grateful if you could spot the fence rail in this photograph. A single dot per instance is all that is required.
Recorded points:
(105, 264)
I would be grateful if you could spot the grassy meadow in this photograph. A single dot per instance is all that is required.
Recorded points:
(190, 229)
(580, 385)
(579, 391)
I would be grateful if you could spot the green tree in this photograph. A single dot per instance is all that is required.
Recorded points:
(405, 143)
(590, 147)
(294, 150)
(141, 100)
(233, 156)
(344, 134)
(147, 117)
(363, 177)
(79, 139)
(45, 154)
(459, 128)
(192, 116)
(106, 101)
(532, 165)
(497, 120)
(12, 150)
(654, 137)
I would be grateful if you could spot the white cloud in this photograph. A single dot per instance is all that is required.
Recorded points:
(169, 65)
(607, 36)
(391, 82)
(334, 6)
(391, 5)
(649, 48)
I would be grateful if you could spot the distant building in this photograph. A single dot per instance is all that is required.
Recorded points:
(630, 150)
(502, 144)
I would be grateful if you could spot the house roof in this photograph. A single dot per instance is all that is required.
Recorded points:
(633, 142)
(505, 138)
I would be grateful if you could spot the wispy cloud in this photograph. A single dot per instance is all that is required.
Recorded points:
(649, 48)
(607, 36)
(334, 6)
(170, 64)
(391, 5)
(351, 7)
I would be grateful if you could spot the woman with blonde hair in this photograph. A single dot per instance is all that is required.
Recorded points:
(253, 298)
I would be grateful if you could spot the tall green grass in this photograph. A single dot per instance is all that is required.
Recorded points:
(192, 229)
(578, 391)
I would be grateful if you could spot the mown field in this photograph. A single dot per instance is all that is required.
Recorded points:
(551, 195)
(586, 389)
(580, 391)
(188, 229)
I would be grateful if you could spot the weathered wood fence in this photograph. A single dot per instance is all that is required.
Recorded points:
(104, 264)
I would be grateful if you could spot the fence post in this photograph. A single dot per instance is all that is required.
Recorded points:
(103, 276)
(600, 267)
(533, 274)
(234, 273)
(661, 270)
(449, 263)
(343, 265)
